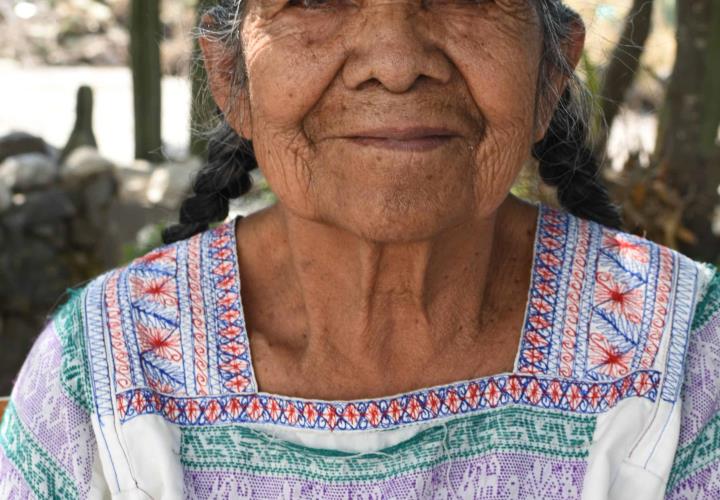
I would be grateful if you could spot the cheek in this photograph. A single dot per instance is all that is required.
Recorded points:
(290, 64)
(291, 73)
(499, 64)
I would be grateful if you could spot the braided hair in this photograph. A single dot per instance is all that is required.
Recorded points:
(566, 159)
(225, 176)
(568, 164)
(230, 157)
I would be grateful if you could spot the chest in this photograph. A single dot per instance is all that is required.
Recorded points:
(591, 398)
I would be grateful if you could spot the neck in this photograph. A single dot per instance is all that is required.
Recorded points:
(374, 304)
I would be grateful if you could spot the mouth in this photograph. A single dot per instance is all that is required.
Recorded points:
(416, 139)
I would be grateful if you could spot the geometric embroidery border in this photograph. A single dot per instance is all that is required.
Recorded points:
(447, 401)
(542, 307)
(599, 301)
(702, 451)
(511, 430)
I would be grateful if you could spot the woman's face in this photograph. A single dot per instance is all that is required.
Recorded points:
(393, 119)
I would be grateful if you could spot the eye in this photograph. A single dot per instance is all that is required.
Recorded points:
(438, 3)
(310, 4)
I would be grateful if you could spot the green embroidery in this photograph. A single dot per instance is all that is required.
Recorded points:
(42, 474)
(510, 429)
(702, 451)
(74, 373)
(709, 306)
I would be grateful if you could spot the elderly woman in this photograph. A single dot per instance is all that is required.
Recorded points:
(398, 325)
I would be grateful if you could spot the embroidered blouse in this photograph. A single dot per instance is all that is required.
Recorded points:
(142, 387)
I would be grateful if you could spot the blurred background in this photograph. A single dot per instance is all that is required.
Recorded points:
(102, 113)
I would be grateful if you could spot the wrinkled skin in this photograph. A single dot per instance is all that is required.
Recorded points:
(394, 257)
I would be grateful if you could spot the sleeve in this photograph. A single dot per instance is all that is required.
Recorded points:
(696, 468)
(47, 445)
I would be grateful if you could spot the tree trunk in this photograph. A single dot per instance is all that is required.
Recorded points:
(711, 95)
(688, 153)
(202, 104)
(145, 37)
(625, 59)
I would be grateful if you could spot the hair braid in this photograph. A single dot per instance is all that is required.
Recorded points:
(570, 165)
(567, 159)
(225, 176)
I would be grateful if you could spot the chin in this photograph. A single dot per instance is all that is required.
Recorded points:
(397, 222)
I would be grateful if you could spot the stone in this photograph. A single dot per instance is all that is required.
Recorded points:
(169, 183)
(84, 162)
(18, 335)
(133, 181)
(54, 233)
(97, 197)
(82, 134)
(40, 208)
(83, 234)
(37, 274)
(101, 191)
(19, 143)
(28, 171)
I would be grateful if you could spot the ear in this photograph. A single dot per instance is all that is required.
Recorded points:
(221, 68)
(572, 49)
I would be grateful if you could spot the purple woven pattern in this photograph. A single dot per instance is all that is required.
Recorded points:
(59, 425)
(703, 485)
(491, 476)
(12, 484)
(701, 398)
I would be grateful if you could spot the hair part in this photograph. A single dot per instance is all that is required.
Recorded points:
(566, 160)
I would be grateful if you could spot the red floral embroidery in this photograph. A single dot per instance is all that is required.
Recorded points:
(607, 358)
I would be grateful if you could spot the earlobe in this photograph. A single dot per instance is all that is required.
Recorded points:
(572, 49)
(218, 78)
(220, 67)
(574, 44)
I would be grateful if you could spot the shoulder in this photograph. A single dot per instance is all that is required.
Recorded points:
(632, 275)
(169, 324)
(47, 443)
(696, 471)
(609, 304)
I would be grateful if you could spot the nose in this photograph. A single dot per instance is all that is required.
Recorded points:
(391, 47)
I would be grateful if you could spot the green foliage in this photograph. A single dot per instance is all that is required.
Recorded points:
(593, 81)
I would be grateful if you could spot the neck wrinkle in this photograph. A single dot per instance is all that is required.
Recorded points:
(366, 300)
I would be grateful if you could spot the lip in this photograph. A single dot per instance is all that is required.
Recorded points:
(404, 138)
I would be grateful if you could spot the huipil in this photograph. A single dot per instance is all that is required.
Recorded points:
(142, 386)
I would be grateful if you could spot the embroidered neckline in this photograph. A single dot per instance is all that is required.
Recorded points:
(584, 278)
(541, 219)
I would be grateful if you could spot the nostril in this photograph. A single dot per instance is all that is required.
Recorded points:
(369, 84)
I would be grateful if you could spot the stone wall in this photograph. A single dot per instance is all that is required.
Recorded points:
(53, 224)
